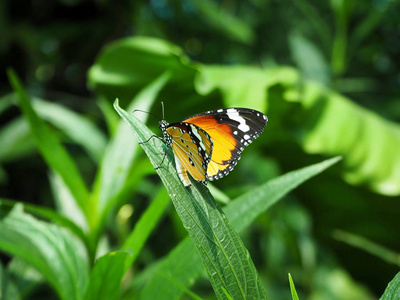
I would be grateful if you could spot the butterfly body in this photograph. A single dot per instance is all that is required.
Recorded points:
(208, 145)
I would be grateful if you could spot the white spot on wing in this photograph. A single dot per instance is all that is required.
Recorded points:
(234, 115)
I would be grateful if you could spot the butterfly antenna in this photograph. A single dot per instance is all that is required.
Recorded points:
(146, 113)
(162, 105)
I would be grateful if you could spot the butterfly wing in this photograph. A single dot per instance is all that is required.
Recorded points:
(231, 130)
(193, 148)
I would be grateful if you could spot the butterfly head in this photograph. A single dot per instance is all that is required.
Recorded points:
(163, 125)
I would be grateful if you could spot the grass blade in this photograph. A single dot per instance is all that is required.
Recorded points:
(293, 288)
(362, 243)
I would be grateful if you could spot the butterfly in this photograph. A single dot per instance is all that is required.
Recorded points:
(208, 145)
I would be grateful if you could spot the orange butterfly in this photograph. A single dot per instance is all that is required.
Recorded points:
(208, 145)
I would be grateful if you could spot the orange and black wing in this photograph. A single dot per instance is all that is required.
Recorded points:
(192, 148)
(231, 130)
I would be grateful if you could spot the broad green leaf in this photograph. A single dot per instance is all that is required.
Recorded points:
(75, 126)
(121, 151)
(126, 66)
(238, 85)
(52, 250)
(183, 264)
(224, 256)
(367, 142)
(293, 288)
(245, 86)
(392, 291)
(145, 225)
(52, 150)
(48, 214)
(357, 241)
(106, 276)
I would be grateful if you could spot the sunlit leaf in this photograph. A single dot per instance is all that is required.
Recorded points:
(52, 250)
(293, 288)
(367, 142)
(126, 66)
(74, 126)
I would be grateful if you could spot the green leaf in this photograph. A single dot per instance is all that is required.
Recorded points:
(8, 290)
(47, 214)
(52, 250)
(309, 59)
(126, 66)
(16, 140)
(293, 288)
(65, 203)
(121, 150)
(367, 142)
(357, 241)
(224, 256)
(238, 29)
(52, 150)
(145, 225)
(76, 127)
(245, 86)
(237, 84)
(106, 277)
(184, 264)
(392, 291)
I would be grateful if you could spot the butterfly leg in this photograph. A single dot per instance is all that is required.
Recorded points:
(165, 151)
(153, 136)
(165, 154)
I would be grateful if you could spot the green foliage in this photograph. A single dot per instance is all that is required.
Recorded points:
(82, 214)
(393, 289)
(293, 288)
(50, 249)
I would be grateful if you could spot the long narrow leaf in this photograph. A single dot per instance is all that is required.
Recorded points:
(224, 256)
(51, 149)
(145, 225)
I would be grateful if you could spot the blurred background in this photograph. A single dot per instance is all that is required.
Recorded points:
(327, 74)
